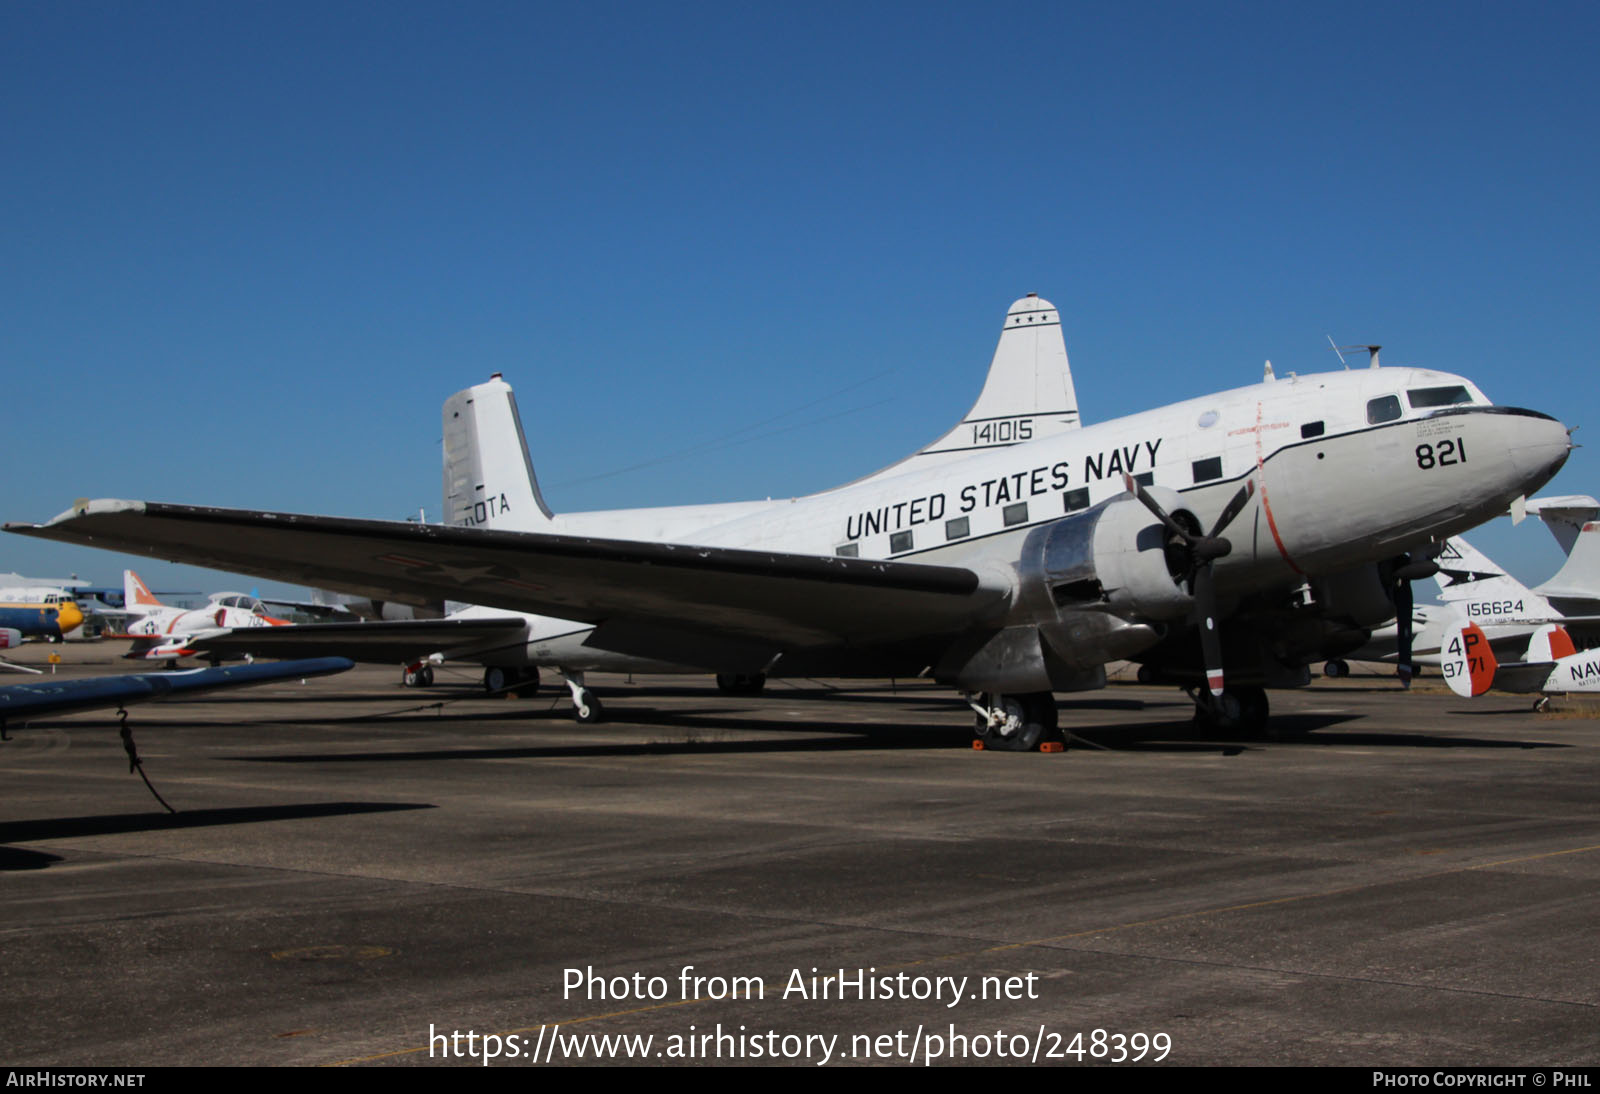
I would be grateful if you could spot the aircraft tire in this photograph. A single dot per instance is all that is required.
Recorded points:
(1336, 669)
(1254, 710)
(425, 677)
(587, 710)
(494, 678)
(527, 682)
(1027, 710)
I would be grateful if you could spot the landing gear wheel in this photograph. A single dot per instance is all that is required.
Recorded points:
(494, 679)
(739, 683)
(1336, 669)
(527, 682)
(586, 708)
(1023, 721)
(425, 677)
(1241, 710)
(1253, 711)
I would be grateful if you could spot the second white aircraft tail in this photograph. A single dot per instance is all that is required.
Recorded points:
(1579, 579)
(488, 477)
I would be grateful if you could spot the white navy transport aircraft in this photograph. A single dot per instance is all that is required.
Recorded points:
(1027, 394)
(1224, 541)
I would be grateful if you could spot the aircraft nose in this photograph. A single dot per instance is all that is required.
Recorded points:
(1538, 445)
(68, 616)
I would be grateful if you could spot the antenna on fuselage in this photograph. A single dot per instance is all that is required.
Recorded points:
(1372, 353)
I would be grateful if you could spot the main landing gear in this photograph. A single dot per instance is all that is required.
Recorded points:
(419, 675)
(1014, 723)
(497, 679)
(1241, 710)
(585, 707)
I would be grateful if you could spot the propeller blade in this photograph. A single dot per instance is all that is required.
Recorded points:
(1403, 602)
(1234, 507)
(1133, 487)
(1210, 641)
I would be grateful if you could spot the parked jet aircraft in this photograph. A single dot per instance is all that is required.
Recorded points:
(1027, 394)
(163, 633)
(1009, 574)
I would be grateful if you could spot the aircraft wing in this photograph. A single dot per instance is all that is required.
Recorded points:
(22, 701)
(774, 599)
(396, 641)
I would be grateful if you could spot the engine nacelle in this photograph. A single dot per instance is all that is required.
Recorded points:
(1095, 587)
(1116, 557)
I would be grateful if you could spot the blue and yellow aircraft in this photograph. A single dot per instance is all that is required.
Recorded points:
(39, 611)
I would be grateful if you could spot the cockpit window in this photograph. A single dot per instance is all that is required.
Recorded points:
(1422, 398)
(1384, 409)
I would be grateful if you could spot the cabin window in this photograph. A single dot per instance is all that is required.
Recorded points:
(1015, 514)
(960, 528)
(900, 541)
(1422, 398)
(848, 550)
(1073, 500)
(1384, 409)
(1311, 429)
(1208, 469)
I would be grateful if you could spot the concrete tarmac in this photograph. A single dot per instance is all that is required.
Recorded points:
(364, 874)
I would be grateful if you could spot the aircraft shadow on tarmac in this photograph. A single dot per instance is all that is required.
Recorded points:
(27, 831)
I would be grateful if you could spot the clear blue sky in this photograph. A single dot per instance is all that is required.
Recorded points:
(249, 249)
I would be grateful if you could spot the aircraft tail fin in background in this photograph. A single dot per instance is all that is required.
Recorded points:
(1465, 659)
(1466, 573)
(136, 594)
(1565, 516)
(1579, 579)
(1550, 642)
(488, 476)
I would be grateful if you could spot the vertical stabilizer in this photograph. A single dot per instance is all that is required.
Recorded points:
(1579, 579)
(1028, 393)
(488, 477)
(1466, 573)
(136, 595)
(1565, 516)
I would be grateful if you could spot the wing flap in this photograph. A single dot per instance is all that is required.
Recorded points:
(398, 641)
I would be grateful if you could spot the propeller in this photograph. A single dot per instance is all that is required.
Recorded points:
(1202, 551)
(1403, 570)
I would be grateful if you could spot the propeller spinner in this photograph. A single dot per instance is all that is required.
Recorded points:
(1202, 551)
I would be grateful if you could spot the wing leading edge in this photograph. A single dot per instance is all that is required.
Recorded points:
(774, 598)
